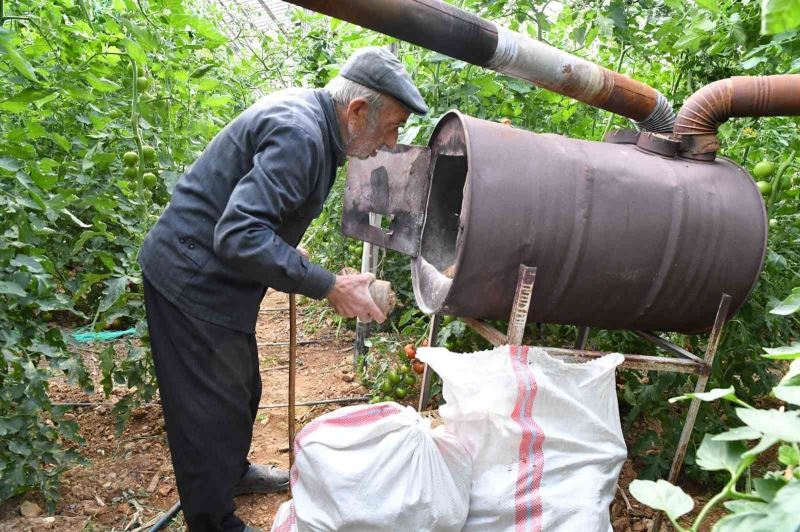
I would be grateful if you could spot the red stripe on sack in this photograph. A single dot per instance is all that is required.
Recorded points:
(527, 498)
(349, 419)
(289, 522)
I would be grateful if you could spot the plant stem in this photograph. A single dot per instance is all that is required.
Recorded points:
(728, 491)
(776, 183)
(619, 67)
(744, 496)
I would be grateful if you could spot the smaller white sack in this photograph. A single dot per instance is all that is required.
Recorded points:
(544, 436)
(285, 520)
(376, 468)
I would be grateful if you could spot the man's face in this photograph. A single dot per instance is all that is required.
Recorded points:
(370, 129)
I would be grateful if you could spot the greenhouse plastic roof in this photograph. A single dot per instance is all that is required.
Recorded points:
(265, 15)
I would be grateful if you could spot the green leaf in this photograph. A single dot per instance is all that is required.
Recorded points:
(13, 56)
(9, 164)
(19, 102)
(788, 305)
(740, 506)
(116, 287)
(15, 446)
(711, 5)
(202, 26)
(218, 100)
(663, 496)
(786, 352)
(715, 455)
(778, 16)
(739, 433)
(790, 394)
(10, 287)
(768, 487)
(31, 264)
(100, 84)
(135, 51)
(773, 423)
(788, 455)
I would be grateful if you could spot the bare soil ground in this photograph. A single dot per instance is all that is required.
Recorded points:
(127, 481)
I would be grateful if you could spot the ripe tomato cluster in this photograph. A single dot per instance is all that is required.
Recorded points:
(411, 352)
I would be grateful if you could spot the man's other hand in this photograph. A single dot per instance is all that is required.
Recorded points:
(350, 298)
(303, 251)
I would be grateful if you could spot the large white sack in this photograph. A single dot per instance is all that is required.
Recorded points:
(381, 467)
(544, 436)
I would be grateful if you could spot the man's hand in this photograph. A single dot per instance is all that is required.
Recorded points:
(302, 251)
(350, 298)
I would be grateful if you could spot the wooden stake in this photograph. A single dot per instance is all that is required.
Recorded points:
(292, 372)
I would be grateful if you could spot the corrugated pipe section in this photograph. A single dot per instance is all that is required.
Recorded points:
(454, 32)
(704, 111)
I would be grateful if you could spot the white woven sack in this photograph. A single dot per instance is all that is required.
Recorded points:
(381, 467)
(544, 436)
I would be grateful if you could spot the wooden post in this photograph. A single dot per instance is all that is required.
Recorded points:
(427, 375)
(292, 372)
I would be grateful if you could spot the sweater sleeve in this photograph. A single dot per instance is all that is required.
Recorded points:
(285, 170)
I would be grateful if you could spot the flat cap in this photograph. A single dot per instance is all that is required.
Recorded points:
(379, 69)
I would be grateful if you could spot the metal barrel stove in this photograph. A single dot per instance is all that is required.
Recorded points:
(624, 234)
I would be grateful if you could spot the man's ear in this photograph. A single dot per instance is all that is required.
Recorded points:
(357, 111)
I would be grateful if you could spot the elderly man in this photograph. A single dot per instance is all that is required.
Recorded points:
(229, 233)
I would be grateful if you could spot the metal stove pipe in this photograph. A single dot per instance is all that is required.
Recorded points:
(454, 32)
(708, 108)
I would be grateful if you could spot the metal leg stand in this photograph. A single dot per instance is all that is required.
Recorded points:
(427, 375)
(700, 387)
(582, 338)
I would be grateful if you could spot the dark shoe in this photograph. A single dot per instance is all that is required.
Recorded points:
(262, 479)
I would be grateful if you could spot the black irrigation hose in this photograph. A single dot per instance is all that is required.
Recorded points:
(166, 517)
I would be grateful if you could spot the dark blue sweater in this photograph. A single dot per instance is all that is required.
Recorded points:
(240, 210)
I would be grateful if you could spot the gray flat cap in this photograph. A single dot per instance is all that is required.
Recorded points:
(379, 70)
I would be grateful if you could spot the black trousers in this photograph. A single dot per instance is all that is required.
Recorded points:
(210, 389)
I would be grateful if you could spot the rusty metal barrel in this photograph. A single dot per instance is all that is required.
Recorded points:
(623, 236)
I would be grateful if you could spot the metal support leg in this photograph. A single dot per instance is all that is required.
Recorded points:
(700, 387)
(582, 338)
(427, 375)
(369, 264)
(522, 304)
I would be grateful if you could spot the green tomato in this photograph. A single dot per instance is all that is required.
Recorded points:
(385, 387)
(131, 158)
(404, 370)
(409, 380)
(763, 170)
(394, 378)
(142, 83)
(386, 399)
(376, 399)
(764, 187)
(148, 195)
(130, 172)
(149, 154)
(149, 180)
(401, 392)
